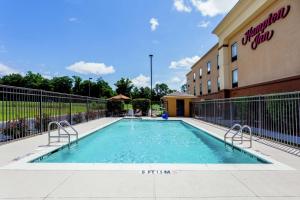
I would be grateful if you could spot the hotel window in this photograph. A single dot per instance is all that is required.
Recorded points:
(194, 90)
(200, 88)
(200, 73)
(218, 83)
(208, 86)
(194, 76)
(233, 52)
(208, 67)
(218, 67)
(235, 78)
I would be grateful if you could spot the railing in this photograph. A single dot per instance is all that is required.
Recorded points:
(274, 117)
(235, 126)
(25, 112)
(60, 126)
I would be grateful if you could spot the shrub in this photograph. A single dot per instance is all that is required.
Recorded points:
(15, 128)
(77, 118)
(90, 115)
(46, 119)
(141, 104)
(115, 107)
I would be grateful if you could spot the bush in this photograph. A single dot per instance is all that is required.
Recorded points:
(46, 119)
(141, 104)
(115, 107)
(77, 118)
(90, 115)
(15, 128)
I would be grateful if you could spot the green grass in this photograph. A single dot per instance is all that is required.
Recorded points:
(11, 110)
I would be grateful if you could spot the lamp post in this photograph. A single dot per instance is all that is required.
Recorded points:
(151, 56)
(90, 87)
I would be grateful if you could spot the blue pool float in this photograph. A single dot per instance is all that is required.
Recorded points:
(165, 116)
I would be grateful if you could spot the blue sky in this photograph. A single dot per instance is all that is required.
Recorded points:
(108, 38)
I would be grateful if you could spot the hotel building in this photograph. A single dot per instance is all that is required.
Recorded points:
(258, 52)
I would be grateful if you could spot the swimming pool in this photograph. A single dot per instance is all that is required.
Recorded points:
(150, 141)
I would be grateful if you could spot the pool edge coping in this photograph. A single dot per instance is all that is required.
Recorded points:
(25, 164)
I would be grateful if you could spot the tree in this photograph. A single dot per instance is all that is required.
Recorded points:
(145, 93)
(124, 86)
(13, 80)
(135, 93)
(46, 85)
(62, 84)
(183, 88)
(32, 80)
(160, 90)
(77, 85)
(87, 86)
(105, 90)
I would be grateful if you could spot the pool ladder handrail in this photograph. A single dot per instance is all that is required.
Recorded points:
(242, 135)
(70, 126)
(239, 133)
(232, 128)
(60, 135)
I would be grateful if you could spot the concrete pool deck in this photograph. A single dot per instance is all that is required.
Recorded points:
(146, 182)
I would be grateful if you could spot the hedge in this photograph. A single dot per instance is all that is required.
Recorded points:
(141, 104)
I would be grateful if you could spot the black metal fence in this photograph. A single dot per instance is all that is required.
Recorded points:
(26, 112)
(275, 117)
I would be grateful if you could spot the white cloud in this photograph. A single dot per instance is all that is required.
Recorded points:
(184, 63)
(141, 81)
(212, 8)
(154, 23)
(91, 68)
(175, 79)
(5, 70)
(157, 82)
(73, 19)
(180, 5)
(203, 24)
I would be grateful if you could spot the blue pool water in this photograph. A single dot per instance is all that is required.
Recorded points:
(145, 141)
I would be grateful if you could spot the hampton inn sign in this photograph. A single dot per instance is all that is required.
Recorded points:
(258, 32)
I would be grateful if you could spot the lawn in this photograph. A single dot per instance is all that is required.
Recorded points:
(11, 110)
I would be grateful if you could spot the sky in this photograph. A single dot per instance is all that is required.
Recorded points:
(108, 38)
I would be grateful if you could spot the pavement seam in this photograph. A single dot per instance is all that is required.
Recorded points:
(58, 185)
(240, 181)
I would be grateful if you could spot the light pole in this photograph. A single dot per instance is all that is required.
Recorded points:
(90, 87)
(151, 56)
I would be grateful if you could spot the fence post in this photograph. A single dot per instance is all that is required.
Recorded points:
(259, 116)
(230, 108)
(41, 113)
(215, 120)
(87, 109)
(59, 109)
(70, 104)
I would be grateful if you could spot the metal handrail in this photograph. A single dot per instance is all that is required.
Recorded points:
(69, 125)
(242, 135)
(232, 127)
(59, 134)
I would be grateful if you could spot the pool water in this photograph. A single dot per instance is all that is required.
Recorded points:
(150, 141)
